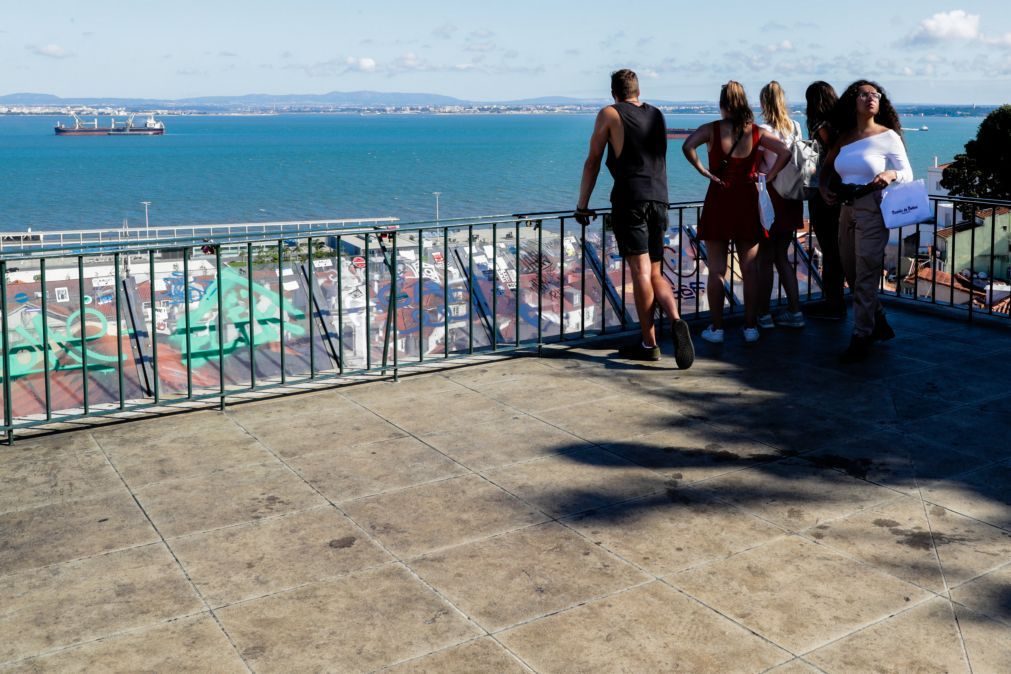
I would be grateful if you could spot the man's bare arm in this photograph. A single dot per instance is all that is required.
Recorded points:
(606, 120)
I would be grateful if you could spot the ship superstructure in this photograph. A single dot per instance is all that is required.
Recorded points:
(150, 127)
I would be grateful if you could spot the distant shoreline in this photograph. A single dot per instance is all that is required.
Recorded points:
(960, 111)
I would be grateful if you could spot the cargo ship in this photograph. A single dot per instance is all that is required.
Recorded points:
(679, 133)
(151, 127)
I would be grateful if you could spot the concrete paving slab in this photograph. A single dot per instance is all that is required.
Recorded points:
(987, 642)
(797, 666)
(895, 460)
(268, 556)
(480, 655)
(58, 606)
(426, 415)
(291, 427)
(984, 494)
(908, 540)
(524, 574)
(363, 470)
(357, 623)
(177, 446)
(67, 531)
(613, 419)
(539, 393)
(763, 588)
(54, 469)
(576, 481)
(923, 639)
(652, 628)
(422, 519)
(188, 505)
(674, 531)
(194, 644)
(989, 595)
(514, 439)
(694, 451)
(794, 495)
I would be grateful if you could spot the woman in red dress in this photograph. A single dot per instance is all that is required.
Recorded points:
(730, 211)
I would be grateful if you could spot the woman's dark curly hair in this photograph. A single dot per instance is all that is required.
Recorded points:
(845, 117)
(821, 101)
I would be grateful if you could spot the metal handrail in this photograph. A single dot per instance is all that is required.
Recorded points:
(102, 329)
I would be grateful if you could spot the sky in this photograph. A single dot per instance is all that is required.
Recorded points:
(921, 52)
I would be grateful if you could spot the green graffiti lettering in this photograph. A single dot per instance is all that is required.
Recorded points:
(243, 320)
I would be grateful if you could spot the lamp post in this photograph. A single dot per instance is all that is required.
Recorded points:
(437, 205)
(147, 224)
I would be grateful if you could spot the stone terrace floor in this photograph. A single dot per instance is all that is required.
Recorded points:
(767, 510)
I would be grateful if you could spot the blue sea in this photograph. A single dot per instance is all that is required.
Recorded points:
(315, 167)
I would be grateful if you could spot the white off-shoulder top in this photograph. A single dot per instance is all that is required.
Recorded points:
(858, 162)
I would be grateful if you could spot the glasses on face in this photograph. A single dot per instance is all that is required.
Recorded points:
(869, 95)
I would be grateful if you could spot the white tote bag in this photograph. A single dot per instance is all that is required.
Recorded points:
(766, 213)
(905, 204)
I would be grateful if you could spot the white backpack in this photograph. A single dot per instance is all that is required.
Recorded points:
(800, 175)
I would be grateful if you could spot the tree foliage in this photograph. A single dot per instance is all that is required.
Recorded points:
(984, 170)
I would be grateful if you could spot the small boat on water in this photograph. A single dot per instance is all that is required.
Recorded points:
(679, 133)
(151, 127)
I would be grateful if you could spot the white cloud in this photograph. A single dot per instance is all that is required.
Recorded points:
(785, 45)
(954, 25)
(1001, 41)
(362, 64)
(53, 51)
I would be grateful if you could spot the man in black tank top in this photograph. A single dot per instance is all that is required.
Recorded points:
(635, 137)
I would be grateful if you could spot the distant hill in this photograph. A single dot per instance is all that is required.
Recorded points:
(379, 99)
(333, 98)
(336, 98)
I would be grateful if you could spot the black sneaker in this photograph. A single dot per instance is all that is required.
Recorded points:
(684, 350)
(636, 351)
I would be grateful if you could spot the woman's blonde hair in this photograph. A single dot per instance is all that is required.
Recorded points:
(735, 102)
(773, 102)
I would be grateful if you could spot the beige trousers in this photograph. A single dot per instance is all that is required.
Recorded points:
(862, 240)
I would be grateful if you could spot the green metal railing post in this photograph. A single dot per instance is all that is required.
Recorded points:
(8, 403)
(119, 334)
(220, 326)
(251, 302)
(45, 340)
(280, 308)
(445, 292)
(186, 321)
(154, 327)
(84, 332)
(310, 277)
(340, 306)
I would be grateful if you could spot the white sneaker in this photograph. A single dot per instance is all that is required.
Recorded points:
(751, 335)
(765, 321)
(788, 319)
(712, 335)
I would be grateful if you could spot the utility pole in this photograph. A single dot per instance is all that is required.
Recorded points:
(437, 205)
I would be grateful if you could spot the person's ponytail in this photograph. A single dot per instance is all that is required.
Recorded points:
(735, 102)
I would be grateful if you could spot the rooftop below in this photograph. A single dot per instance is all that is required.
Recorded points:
(767, 509)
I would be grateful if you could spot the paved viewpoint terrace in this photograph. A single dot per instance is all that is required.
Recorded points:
(767, 510)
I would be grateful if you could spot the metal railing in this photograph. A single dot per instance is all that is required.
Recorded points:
(101, 327)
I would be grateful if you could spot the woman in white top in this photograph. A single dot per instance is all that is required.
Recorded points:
(775, 250)
(868, 156)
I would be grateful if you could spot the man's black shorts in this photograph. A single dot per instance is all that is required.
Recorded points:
(639, 228)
